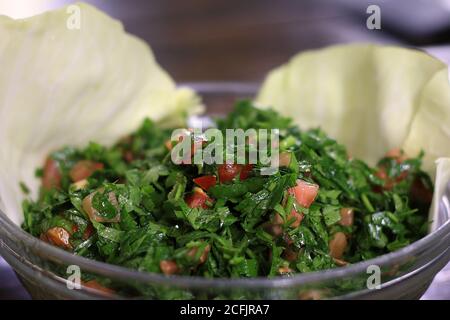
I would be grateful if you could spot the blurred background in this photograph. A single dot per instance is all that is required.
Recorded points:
(242, 40)
(231, 40)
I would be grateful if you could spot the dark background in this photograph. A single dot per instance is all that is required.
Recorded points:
(231, 40)
(243, 39)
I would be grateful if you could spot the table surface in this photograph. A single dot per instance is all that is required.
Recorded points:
(231, 40)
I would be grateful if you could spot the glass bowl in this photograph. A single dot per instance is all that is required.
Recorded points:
(403, 274)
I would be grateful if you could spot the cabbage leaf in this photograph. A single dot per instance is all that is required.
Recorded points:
(64, 85)
(370, 98)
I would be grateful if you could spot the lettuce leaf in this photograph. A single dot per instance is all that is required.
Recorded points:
(62, 85)
(430, 128)
(370, 98)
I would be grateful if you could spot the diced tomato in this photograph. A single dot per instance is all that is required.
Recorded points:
(44, 237)
(389, 182)
(295, 218)
(290, 255)
(396, 154)
(346, 217)
(288, 239)
(313, 294)
(205, 182)
(228, 171)
(58, 236)
(337, 245)
(381, 173)
(51, 176)
(168, 267)
(285, 270)
(88, 232)
(305, 193)
(392, 271)
(93, 214)
(393, 153)
(168, 144)
(204, 255)
(128, 156)
(126, 140)
(340, 262)
(79, 185)
(245, 171)
(419, 192)
(84, 169)
(285, 159)
(274, 228)
(402, 176)
(93, 284)
(198, 199)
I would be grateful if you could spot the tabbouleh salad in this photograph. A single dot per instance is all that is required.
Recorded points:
(129, 205)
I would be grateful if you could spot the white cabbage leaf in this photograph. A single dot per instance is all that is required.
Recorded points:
(63, 85)
(370, 98)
